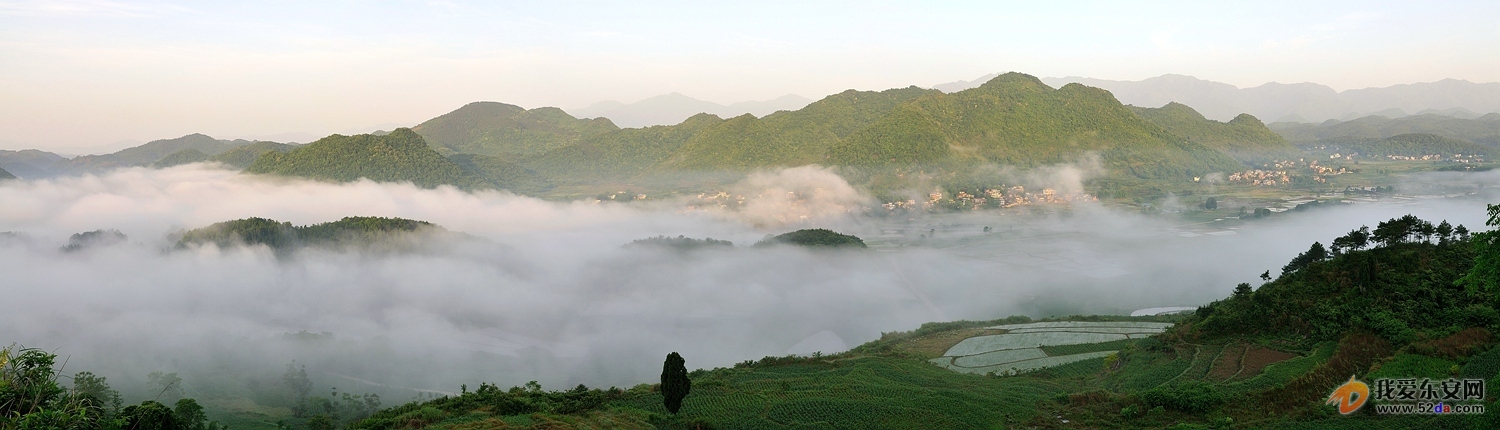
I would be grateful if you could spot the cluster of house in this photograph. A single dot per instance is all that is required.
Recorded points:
(1457, 158)
(1261, 178)
(1004, 197)
(721, 199)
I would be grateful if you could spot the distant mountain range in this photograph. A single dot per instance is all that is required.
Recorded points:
(873, 137)
(36, 164)
(1484, 130)
(1303, 102)
(674, 108)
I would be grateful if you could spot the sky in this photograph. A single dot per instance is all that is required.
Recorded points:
(81, 76)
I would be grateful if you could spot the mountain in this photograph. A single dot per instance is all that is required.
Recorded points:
(501, 173)
(1244, 137)
(1303, 102)
(148, 153)
(1015, 119)
(956, 86)
(30, 163)
(283, 237)
(1484, 130)
(401, 156)
(1406, 145)
(6, 175)
(788, 138)
(674, 108)
(498, 129)
(189, 155)
(243, 156)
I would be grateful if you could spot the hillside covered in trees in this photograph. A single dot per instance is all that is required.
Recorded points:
(1244, 137)
(284, 238)
(1484, 130)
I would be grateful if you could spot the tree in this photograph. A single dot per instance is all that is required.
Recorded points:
(674, 382)
(189, 415)
(1211, 204)
(149, 415)
(1314, 254)
(1266, 276)
(1354, 241)
(1485, 275)
(1444, 231)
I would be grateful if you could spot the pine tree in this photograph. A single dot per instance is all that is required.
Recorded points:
(674, 382)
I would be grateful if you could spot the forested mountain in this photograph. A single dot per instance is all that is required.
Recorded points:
(668, 109)
(1300, 102)
(501, 173)
(241, 157)
(6, 175)
(1484, 130)
(283, 237)
(399, 156)
(498, 129)
(1015, 119)
(1407, 145)
(1244, 137)
(148, 153)
(29, 163)
(190, 155)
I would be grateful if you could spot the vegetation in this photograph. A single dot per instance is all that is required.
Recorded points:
(1244, 137)
(1408, 145)
(6, 175)
(242, 157)
(401, 156)
(283, 237)
(674, 382)
(186, 156)
(88, 239)
(32, 398)
(815, 237)
(680, 243)
(1484, 130)
(502, 130)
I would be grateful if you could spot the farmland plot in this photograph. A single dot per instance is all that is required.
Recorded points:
(1019, 349)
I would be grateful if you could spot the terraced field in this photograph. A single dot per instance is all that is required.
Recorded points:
(1022, 348)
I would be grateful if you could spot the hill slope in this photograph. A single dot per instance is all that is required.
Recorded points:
(243, 156)
(498, 129)
(1484, 130)
(401, 156)
(30, 163)
(1015, 119)
(1244, 137)
(6, 175)
(149, 153)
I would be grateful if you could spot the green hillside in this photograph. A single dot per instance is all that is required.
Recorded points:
(401, 156)
(283, 237)
(1244, 137)
(788, 138)
(6, 175)
(498, 129)
(1015, 119)
(622, 154)
(1484, 130)
(185, 156)
(1408, 145)
(243, 156)
(500, 173)
(149, 153)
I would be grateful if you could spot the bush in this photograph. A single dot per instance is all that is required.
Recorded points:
(1191, 397)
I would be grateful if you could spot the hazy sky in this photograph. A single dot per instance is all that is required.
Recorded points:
(78, 74)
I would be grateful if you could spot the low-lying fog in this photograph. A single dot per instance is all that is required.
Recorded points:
(551, 295)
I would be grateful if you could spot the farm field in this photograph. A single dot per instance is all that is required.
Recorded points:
(1020, 348)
